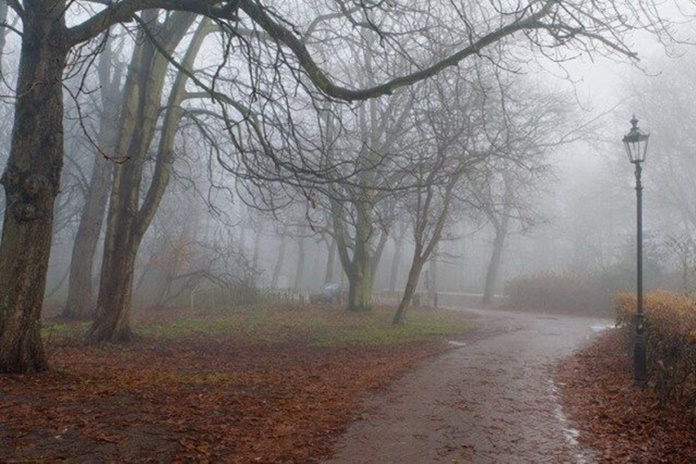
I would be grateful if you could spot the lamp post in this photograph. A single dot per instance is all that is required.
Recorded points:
(636, 143)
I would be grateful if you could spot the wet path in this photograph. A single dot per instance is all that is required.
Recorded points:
(491, 400)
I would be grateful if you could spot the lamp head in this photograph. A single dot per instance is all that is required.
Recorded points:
(636, 143)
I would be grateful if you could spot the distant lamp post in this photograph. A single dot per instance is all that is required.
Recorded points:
(636, 143)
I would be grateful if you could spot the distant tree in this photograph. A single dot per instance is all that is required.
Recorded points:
(506, 195)
(664, 102)
(447, 126)
(50, 44)
(484, 135)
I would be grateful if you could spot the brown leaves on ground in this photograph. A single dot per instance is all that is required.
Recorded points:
(624, 423)
(211, 399)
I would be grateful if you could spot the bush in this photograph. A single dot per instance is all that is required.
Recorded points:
(670, 330)
(567, 293)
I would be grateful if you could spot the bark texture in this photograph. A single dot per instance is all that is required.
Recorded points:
(127, 218)
(31, 182)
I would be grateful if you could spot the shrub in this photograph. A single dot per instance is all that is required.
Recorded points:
(569, 293)
(670, 331)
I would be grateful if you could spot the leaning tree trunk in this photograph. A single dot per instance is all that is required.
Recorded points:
(432, 289)
(112, 322)
(31, 183)
(411, 285)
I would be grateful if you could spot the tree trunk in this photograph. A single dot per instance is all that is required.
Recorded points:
(432, 289)
(257, 248)
(396, 260)
(279, 262)
(299, 272)
(360, 279)
(31, 182)
(494, 263)
(330, 263)
(411, 285)
(80, 294)
(127, 219)
(115, 290)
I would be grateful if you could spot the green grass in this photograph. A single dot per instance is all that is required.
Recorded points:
(315, 325)
(377, 329)
(64, 330)
(323, 326)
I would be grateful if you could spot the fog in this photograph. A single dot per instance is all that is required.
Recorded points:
(332, 184)
(583, 217)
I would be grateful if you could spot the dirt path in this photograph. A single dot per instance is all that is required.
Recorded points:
(489, 401)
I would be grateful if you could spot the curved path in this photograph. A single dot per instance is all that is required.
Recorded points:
(491, 400)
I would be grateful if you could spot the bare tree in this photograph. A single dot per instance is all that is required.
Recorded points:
(362, 213)
(128, 219)
(32, 177)
(488, 141)
(80, 301)
(447, 130)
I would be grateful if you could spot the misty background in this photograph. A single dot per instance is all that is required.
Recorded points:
(558, 202)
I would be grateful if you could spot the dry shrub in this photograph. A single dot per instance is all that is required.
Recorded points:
(566, 293)
(670, 330)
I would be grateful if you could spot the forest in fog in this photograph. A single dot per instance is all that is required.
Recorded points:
(194, 154)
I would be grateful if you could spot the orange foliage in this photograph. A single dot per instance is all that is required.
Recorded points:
(623, 424)
(670, 330)
(198, 398)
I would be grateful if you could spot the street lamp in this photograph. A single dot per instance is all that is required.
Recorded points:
(636, 143)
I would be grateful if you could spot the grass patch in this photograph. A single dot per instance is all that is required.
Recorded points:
(377, 328)
(322, 326)
(312, 324)
(64, 330)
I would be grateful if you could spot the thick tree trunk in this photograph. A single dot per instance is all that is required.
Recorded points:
(114, 302)
(31, 183)
(128, 220)
(120, 249)
(360, 279)
(360, 276)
